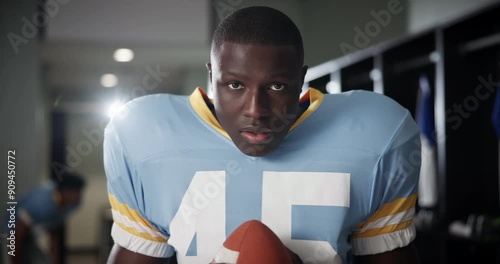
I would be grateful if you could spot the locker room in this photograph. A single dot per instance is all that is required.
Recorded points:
(68, 67)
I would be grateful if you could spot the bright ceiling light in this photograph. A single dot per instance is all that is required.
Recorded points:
(115, 108)
(123, 55)
(109, 80)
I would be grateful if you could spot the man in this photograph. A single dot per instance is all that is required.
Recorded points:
(43, 209)
(331, 175)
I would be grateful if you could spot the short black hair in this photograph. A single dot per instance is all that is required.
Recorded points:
(70, 181)
(261, 25)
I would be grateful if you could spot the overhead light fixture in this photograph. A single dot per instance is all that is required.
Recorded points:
(123, 55)
(109, 80)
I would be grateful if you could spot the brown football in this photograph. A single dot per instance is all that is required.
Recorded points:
(253, 243)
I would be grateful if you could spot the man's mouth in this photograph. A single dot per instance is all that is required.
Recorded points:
(256, 135)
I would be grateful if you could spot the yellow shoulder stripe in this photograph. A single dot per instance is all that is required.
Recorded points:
(315, 98)
(397, 206)
(197, 101)
(132, 214)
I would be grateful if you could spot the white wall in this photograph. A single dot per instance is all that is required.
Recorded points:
(84, 229)
(84, 146)
(424, 14)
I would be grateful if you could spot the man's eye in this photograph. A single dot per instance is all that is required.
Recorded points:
(277, 87)
(235, 86)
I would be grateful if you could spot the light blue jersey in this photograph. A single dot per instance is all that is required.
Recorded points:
(39, 209)
(342, 182)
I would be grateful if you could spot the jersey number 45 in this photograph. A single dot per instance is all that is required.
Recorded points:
(203, 212)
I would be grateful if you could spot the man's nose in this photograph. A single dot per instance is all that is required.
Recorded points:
(257, 104)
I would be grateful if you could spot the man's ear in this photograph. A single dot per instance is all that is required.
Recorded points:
(209, 68)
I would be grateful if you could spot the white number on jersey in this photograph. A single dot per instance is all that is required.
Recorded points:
(203, 212)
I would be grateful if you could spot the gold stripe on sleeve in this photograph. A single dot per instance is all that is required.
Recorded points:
(397, 206)
(132, 214)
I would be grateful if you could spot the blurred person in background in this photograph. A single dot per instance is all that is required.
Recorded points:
(44, 208)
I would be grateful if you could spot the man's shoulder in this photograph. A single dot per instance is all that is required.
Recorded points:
(359, 119)
(39, 205)
(146, 111)
(366, 100)
(364, 108)
(147, 107)
(151, 124)
(41, 192)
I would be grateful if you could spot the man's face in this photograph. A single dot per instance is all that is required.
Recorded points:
(71, 197)
(256, 93)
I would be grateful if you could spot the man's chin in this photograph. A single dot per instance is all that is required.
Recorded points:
(257, 150)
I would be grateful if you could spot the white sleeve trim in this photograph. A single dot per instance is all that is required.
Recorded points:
(141, 245)
(389, 220)
(121, 219)
(384, 242)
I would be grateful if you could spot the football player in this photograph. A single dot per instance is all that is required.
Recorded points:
(45, 208)
(333, 176)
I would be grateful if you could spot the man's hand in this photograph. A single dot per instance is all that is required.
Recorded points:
(296, 259)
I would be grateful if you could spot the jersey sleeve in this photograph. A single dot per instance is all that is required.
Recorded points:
(39, 208)
(131, 229)
(394, 194)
